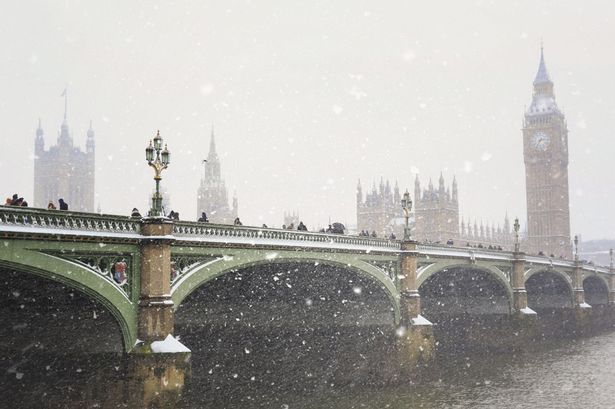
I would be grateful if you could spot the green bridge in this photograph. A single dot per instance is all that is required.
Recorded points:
(141, 270)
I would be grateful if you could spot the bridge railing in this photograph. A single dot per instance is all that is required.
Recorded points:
(257, 235)
(26, 219)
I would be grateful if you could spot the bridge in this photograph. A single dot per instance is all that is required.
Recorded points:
(142, 270)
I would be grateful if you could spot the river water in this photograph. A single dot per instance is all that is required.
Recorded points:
(286, 356)
(326, 370)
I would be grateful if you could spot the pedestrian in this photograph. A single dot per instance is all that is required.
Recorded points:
(265, 226)
(51, 206)
(176, 216)
(374, 233)
(203, 218)
(172, 215)
(8, 201)
(14, 199)
(302, 227)
(283, 227)
(18, 202)
(291, 226)
(135, 213)
(237, 222)
(392, 236)
(63, 204)
(24, 204)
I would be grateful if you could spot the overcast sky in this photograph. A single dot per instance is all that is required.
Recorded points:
(309, 96)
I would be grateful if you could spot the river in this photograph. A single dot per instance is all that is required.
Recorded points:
(316, 369)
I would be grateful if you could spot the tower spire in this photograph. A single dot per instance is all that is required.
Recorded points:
(542, 76)
(65, 95)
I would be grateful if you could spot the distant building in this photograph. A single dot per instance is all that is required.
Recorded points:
(380, 211)
(64, 171)
(212, 197)
(291, 218)
(436, 219)
(436, 214)
(545, 153)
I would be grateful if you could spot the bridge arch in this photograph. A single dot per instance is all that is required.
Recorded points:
(596, 290)
(21, 259)
(209, 270)
(484, 271)
(498, 275)
(548, 288)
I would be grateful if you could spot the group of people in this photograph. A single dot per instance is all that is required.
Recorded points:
(16, 200)
(365, 233)
(480, 246)
(300, 226)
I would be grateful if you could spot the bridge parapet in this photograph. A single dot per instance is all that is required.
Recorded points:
(242, 235)
(27, 220)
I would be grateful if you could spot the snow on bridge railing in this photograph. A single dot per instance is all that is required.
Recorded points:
(257, 235)
(443, 250)
(24, 219)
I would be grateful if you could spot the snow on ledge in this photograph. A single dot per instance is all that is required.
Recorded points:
(584, 305)
(420, 320)
(169, 346)
(527, 311)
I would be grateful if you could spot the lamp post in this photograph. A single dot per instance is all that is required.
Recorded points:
(576, 248)
(158, 159)
(516, 226)
(406, 205)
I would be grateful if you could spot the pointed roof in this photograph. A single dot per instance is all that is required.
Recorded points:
(39, 130)
(90, 130)
(542, 76)
(212, 147)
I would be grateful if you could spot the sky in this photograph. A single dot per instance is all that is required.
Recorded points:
(307, 97)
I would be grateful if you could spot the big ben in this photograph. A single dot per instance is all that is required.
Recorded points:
(545, 151)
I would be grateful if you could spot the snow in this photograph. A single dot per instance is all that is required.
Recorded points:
(420, 320)
(584, 305)
(528, 311)
(169, 346)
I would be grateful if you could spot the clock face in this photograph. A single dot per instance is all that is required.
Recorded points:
(540, 141)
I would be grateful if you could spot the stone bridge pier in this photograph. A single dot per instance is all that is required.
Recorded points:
(155, 317)
(159, 363)
(415, 340)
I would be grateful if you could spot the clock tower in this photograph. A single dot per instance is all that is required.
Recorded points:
(545, 152)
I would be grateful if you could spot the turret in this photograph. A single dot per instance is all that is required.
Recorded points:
(396, 195)
(441, 184)
(463, 227)
(235, 209)
(455, 197)
(417, 190)
(39, 141)
(359, 193)
(90, 145)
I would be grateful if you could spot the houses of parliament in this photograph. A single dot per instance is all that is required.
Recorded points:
(65, 171)
(436, 214)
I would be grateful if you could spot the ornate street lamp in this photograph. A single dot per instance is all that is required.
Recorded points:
(516, 226)
(158, 159)
(406, 205)
(576, 248)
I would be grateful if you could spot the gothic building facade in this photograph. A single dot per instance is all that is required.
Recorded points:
(436, 214)
(212, 196)
(380, 211)
(545, 152)
(64, 170)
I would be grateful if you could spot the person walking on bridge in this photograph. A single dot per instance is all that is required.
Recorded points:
(63, 204)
